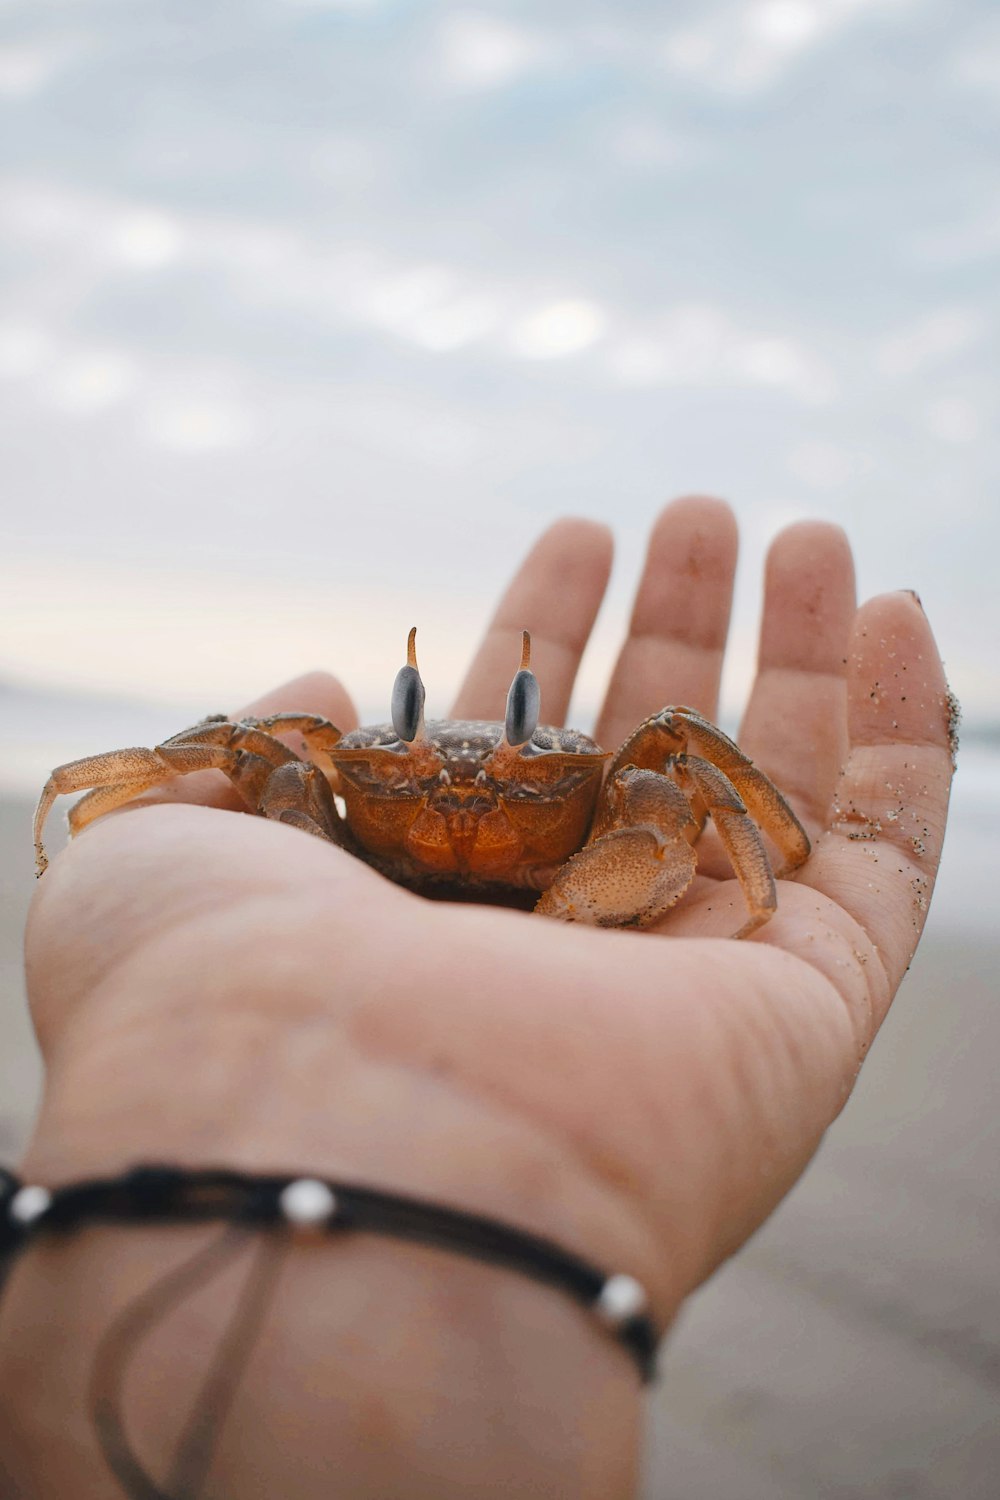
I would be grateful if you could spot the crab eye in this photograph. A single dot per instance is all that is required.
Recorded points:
(523, 700)
(408, 695)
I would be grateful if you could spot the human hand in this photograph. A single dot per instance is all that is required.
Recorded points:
(693, 1081)
(218, 988)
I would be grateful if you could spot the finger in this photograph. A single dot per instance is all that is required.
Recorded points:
(314, 692)
(677, 634)
(795, 725)
(879, 859)
(555, 594)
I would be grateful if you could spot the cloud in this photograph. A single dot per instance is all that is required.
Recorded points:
(185, 406)
(963, 243)
(91, 381)
(24, 347)
(933, 340)
(145, 239)
(558, 329)
(107, 232)
(480, 51)
(191, 424)
(441, 308)
(644, 145)
(976, 63)
(348, 5)
(953, 419)
(74, 377)
(745, 48)
(821, 465)
(26, 70)
(430, 306)
(698, 344)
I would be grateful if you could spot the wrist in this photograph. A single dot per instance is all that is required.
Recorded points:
(399, 1369)
(258, 1081)
(387, 1360)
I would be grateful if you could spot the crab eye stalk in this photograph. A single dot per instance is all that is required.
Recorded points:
(408, 695)
(523, 700)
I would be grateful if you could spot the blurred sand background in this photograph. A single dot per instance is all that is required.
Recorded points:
(853, 1347)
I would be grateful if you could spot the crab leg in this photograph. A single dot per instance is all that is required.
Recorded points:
(319, 734)
(250, 758)
(639, 863)
(743, 844)
(676, 731)
(295, 793)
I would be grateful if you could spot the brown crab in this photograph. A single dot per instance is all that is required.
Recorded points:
(486, 807)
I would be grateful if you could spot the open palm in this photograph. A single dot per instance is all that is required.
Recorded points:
(240, 992)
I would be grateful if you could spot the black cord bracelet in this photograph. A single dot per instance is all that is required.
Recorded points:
(163, 1194)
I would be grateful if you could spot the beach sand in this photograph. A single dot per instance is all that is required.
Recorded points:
(853, 1347)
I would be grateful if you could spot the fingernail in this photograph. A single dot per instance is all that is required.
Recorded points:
(916, 599)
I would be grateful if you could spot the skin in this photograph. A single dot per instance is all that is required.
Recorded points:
(212, 988)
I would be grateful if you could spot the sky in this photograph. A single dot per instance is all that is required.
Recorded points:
(314, 312)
